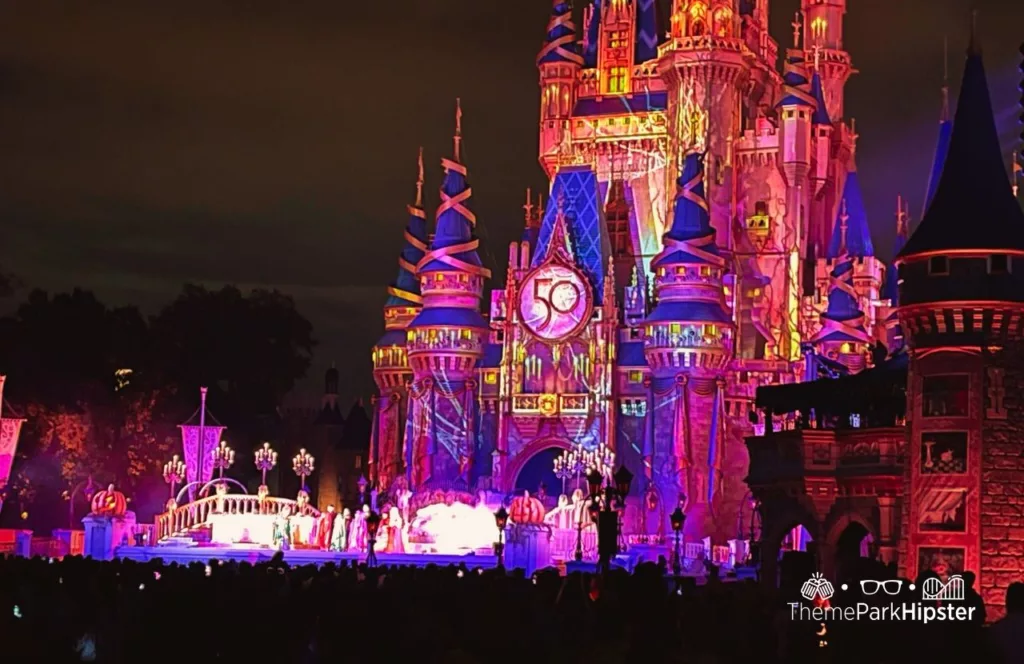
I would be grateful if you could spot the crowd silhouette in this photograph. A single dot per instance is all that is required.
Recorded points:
(78, 609)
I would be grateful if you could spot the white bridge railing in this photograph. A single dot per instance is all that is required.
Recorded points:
(185, 518)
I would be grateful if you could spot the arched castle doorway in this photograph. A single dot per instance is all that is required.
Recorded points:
(535, 463)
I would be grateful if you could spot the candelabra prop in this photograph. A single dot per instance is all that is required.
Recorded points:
(266, 459)
(372, 523)
(302, 464)
(500, 520)
(174, 472)
(223, 458)
(570, 464)
(606, 509)
(678, 518)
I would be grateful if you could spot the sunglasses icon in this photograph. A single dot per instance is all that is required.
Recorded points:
(890, 587)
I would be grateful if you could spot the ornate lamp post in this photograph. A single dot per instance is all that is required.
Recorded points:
(607, 510)
(372, 523)
(302, 464)
(223, 458)
(266, 459)
(500, 520)
(174, 472)
(362, 484)
(678, 518)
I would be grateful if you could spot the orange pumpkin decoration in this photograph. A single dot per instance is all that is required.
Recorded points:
(526, 509)
(109, 502)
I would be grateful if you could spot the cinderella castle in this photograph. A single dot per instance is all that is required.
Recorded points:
(704, 235)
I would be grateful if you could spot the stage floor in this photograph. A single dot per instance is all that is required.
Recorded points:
(257, 554)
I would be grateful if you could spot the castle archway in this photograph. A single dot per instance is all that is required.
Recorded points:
(535, 463)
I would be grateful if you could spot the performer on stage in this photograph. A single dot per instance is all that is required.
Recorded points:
(263, 493)
(283, 529)
(339, 532)
(357, 535)
(325, 528)
(396, 531)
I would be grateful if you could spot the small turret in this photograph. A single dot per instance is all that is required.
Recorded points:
(855, 240)
(842, 336)
(447, 336)
(559, 63)
(822, 131)
(690, 329)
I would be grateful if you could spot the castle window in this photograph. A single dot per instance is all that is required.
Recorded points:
(359, 461)
(945, 396)
(491, 378)
(938, 265)
(617, 80)
(998, 264)
(636, 376)
(617, 39)
(705, 271)
(790, 115)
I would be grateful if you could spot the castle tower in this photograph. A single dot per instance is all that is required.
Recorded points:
(842, 336)
(961, 304)
(391, 370)
(559, 62)
(796, 111)
(823, 35)
(329, 424)
(705, 69)
(446, 340)
(688, 343)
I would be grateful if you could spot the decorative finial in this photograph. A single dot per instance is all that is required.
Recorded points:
(797, 24)
(458, 129)
(817, 57)
(529, 206)
(901, 215)
(419, 181)
(540, 205)
(945, 80)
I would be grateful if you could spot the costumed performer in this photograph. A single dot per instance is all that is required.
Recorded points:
(339, 533)
(283, 529)
(325, 528)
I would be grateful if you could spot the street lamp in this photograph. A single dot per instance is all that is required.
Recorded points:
(616, 491)
(266, 459)
(174, 473)
(678, 518)
(500, 520)
(302, 464)
(223, 457)
(372, 523)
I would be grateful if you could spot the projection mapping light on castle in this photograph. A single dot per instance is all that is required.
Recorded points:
(704, 234)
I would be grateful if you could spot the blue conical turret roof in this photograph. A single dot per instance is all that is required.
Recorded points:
(858, 236)
(941, 150)
(406, 290)
(646, 30)
(593, 40)
(560, 45)
(843, 320)
(794, 90)
(974, 207)
(691, 239)
(454, 247)
(820, 116)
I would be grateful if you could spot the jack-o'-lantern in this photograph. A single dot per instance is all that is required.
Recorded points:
(526, 509)
(109, 502)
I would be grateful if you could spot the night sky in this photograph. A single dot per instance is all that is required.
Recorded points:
(273, 144)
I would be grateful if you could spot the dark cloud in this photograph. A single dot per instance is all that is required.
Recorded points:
(269, 143)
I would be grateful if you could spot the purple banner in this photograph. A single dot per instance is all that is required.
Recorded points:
(193, 454)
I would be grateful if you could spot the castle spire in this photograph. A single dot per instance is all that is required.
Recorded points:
(843, 321)
(592, 44)
(973, 207)
(890, 289)
(560, 43)
(820, 116)
(454, 248)
(406, 290)
(691, 238)
(856, 238)
(942, 142)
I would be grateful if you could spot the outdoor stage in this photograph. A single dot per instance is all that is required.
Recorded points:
(184, 554)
